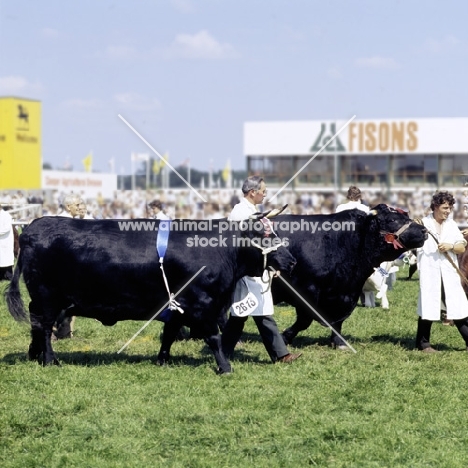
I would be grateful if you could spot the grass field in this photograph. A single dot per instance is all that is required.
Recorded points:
(388, 405)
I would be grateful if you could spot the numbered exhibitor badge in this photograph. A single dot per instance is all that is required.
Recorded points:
(245, 307)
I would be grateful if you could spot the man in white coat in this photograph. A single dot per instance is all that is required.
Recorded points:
(254, 190)
(354, 201)
(71, 206)
(439, 283)
(64, 326)
(7, 257)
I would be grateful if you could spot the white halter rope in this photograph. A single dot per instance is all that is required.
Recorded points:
(173, 304)
(265, 252)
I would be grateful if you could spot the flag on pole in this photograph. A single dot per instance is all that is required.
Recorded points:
(156, 166)
(226, 174)
(88, 162)
(162, 162)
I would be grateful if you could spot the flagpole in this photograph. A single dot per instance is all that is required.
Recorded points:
(133, 171)
(147, 172)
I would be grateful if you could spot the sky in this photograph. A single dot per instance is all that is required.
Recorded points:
(187, 74)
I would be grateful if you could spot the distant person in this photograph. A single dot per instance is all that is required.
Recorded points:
(354, 201)
(439, 283)
(157, 211)
(64, 326)
(83, 211)
(70, 206)
(234, 200)
(7, 239)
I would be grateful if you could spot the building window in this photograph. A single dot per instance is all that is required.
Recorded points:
(319, 171)
(364, 170)
(275, 169)
(453, 170)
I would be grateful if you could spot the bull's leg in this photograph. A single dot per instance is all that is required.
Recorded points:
(41, 333)
(170, 330)
(412, 270)
(35, 348)
(303, 320)
(213, 340)
(336, 340)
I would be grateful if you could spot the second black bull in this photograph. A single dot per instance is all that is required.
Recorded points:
(335, 255)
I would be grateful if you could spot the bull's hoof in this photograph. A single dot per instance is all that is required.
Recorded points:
(53, 362)
(340, 347)
(34, 354)
(162, 360)
(225, 371)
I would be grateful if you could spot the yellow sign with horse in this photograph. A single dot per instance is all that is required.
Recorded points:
(20, 143)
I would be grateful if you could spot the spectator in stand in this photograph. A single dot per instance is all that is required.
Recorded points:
(70, 206)
(64, 326)
(83, 211)
(7, 257)
(354, 201)
(234, 199)
(157, 211)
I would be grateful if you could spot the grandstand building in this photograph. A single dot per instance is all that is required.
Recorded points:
(385, 154)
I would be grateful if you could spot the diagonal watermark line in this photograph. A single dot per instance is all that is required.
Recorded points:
(160, 157)
(311, 308)
(160, 310)
(312, 158)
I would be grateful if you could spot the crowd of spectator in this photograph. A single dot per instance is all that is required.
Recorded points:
(186, 204)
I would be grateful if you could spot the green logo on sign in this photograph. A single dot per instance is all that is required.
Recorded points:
(322, 140)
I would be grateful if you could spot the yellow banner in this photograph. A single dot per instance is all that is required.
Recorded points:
(20, 144)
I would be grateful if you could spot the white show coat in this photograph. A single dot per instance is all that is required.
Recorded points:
(434, 267)
(7, 257)
(254, 284)
(351, 205)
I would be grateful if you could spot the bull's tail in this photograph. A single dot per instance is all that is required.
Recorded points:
(13, 294)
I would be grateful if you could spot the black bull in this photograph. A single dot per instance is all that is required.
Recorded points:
(334, 262)
(93, 268)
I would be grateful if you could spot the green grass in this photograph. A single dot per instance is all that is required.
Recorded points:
(385, 406)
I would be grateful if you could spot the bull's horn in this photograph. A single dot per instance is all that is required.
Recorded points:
(276, 211)
(259, 215)
(372, 212)
(418, 220)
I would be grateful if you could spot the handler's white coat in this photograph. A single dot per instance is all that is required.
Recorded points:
(434, 266)
(256, 286)
(350, 205)
(7, 257)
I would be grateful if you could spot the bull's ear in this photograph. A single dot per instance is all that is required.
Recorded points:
(276, 212)
(372, 213)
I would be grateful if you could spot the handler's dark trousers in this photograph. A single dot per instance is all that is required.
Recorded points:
(271, 337)
(423, 335)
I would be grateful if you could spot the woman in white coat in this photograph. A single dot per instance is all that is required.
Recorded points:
(439, 283)
(7, 258)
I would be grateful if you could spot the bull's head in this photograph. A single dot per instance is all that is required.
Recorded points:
(259, 229)
(398, 229)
